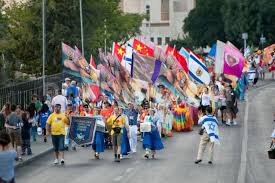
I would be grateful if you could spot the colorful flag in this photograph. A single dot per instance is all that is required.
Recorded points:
(212, 52)
(127, 61)
(118, 51)
(267, 58)
(92, 62)
(142, 48)
(198, 70)
(233, 61)
(146, 68)
(219, 57)
(182, 61)
(185, 53)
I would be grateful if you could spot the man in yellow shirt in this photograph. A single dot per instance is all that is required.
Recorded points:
(117, 121)
(56, 127)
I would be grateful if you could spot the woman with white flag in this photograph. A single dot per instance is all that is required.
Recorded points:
(209, 135)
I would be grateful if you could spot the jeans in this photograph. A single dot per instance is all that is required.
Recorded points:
(33, 132)
(26, 145)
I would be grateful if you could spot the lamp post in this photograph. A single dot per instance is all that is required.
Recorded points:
(244, 37)
(44, 46)
(262, 41)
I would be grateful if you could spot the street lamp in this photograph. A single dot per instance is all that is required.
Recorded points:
(44, 46)
(262, 41)
(244, 37)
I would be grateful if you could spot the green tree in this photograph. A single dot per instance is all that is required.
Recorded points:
(204, 23)
(63, 25)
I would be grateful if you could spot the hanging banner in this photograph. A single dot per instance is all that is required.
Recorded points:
(82, 129)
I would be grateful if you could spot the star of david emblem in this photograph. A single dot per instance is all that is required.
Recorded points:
(211, 126)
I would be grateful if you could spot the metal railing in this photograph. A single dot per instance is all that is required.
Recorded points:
(21, 93)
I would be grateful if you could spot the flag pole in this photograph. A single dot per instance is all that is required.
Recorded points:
(81, 25)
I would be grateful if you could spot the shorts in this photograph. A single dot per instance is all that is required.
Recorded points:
(230, 107)
(58, 142)
(223, 108)
(15, 136)
(117, 139)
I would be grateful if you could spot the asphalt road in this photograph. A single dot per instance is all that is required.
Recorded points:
(241, 157)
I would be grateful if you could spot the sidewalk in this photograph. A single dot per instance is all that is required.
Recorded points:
(39, 148)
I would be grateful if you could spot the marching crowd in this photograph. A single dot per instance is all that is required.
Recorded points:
(122, 124)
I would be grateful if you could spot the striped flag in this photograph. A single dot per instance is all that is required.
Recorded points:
(198, 70)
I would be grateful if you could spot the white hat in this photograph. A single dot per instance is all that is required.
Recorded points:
(73, 83)
(67, 79)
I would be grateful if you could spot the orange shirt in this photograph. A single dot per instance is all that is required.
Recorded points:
(142, 116)
(106, 113)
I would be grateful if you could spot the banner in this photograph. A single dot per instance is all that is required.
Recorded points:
(82, 129)
(267, 58)
(233, 61)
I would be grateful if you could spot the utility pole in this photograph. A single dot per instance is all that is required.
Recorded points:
(105, 40)
(44, 46)
(81, 25)
(244, 37)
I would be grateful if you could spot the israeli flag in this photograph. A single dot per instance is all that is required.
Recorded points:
(127, 60)
(198, 70)
(210, 124)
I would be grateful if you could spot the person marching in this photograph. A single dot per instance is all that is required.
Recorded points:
(98, 144)
(68, 113)
(125, 145)
(117, 122)
(56, 127)
(152, 139)
(210, 135)
(132, 115)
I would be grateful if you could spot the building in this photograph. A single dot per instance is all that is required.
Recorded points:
(166, 17)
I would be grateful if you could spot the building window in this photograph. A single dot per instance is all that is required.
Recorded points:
(147, 8)
(159, 41)
(167, 40)
(152, 39)
(165, 10)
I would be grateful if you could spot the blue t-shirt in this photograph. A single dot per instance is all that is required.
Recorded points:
(7, 164)
(132, 116)
(43, 117)
(72, 90)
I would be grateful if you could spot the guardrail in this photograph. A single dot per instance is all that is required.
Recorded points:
(21, 93)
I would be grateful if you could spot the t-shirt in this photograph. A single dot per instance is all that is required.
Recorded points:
(132, 116)
(72, 90)
(14, 120)
(57, 122)
(7, 164)
(43, 117)
(116, 122)
(205, 99)
(60, 99)
(106, 113)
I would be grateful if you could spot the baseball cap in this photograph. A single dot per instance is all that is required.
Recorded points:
(67, 79)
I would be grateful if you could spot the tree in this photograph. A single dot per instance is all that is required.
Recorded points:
(63, 25)
(186, 42)
(204, 23)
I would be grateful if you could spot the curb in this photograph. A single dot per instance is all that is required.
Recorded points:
(35, 157)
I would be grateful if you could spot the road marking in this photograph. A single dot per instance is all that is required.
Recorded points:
(242, 170)
(117, 179)
(243, 164)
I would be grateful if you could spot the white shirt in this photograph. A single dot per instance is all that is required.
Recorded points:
(60, 99)
(205, 99)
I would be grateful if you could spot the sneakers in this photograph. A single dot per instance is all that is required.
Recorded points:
(56, 161)
(210, 162)
(62, 161)
(198, 161)
(235, 123)
(228, 123)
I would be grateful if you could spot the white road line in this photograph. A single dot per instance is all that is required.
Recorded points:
(243, 164)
